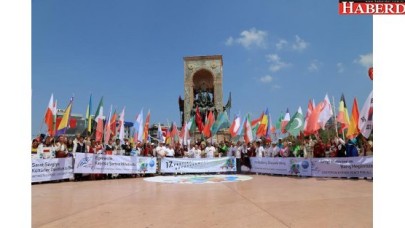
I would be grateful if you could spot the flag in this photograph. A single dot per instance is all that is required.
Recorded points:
(88, 117)
(99, 117)
(63, 125)
(343, 115)
(311, 106)
(198, 120)
(365, 122)
(313, 124)
(220, 123)
(168, 139)
(174, 134)
(160, 134)
(255, 124)
(207, 128)
(99, 112)
(113, 123)
(326, 112)
(146, 127)
(233, 130)
(138, 134)
(242, 127)
(285, 121)
(272, 128)
(296, 124)
(248, 136)
(264, 122)
(191, 124)
(107, 130)
(184, 134)
(50, 115)
(279, 121)
(353, 130)
(121, 125)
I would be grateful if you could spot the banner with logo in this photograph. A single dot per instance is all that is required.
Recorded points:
(51, 169)
(342, 167)
(197, 165)
(98, 163)
(285, 166)
(145, 165)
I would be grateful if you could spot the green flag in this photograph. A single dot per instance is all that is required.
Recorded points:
(296, 123)
(222, 122)
(280, 119)
(191, 124)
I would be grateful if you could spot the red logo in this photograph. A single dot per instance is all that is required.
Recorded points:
(372, 7)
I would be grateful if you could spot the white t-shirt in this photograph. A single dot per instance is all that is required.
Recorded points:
(169, 152)
(210, 150)
(238, 152)
(274, 151)
(197, 153)
(160, 151)
(259, 151)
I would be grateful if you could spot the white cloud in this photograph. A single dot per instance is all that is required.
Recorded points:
(229, 41)
(276, 87)
(249, 38)
(275, 62)
(281, 44)
(299, 44)
(266, 79)
(314, 66)
(340, 67)
(365, 60)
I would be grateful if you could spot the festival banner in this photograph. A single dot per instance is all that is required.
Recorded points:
(98, 163)
(284, 166)
(197, 165)
(51, 169)
(342, 167)
(146, 165)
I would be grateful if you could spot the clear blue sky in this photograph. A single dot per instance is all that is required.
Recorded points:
(276, 54)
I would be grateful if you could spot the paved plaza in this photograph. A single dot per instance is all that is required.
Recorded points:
(263, 201)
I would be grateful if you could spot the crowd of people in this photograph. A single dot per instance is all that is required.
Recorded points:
(62, 146)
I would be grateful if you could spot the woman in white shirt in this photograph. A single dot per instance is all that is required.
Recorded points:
(197, 152)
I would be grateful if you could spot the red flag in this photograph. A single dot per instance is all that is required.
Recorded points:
(354, 119)
(146, 127)
(198, 120)
(313, 124)
(113, 123)
(309, 111)
(99, 130)
(207, 127)
(49, 116)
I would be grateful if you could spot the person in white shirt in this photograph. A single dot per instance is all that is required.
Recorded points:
(259, 150)
(210, 151)
(197, 152)
(169, 151)
(160, 150)
(275, 150)
(190, 152)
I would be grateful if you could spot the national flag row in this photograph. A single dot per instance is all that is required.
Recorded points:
(99, 127)
(241, 127)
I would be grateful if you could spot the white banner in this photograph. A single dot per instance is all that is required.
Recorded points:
(51, 169)
(285, 166)
(342, 167)
(146, 165)
(197, 165)
(98, 163)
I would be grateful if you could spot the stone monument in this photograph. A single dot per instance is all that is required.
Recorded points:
(202, 87)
